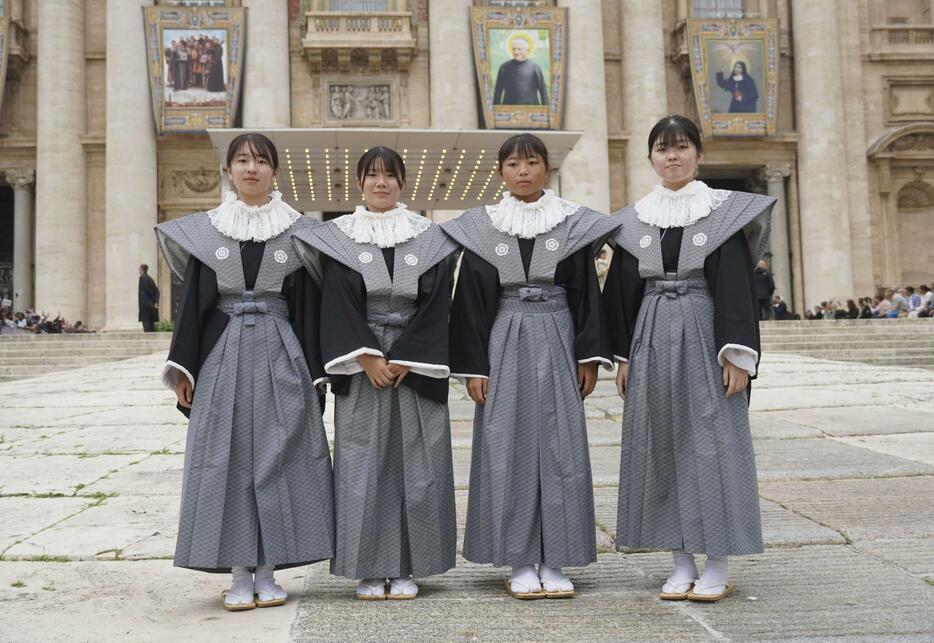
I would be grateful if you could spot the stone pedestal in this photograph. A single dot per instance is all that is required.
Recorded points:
(22, 182)
(585, 173)
(266, 92)
(61, 168)
(778, 241)
(822, 188)
(645, 98)
(132, 177)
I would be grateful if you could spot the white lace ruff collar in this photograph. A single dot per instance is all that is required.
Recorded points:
(666, 208)
(385, 229)
(235, 219)
(528, 220)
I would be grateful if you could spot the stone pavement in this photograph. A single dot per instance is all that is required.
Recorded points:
(90, 472)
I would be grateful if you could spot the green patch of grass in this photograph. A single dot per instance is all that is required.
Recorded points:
(49, 559)
(83, 454)
(929, 581)
(164, 451)
(117, 553)
(78, 487)
(101, 495)
(49, 588)
(17, 583)
(45, 495)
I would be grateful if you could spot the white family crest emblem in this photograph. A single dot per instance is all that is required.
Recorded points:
(552, 245)
(365, 257)
(411, 260)
(700, 239)
(645, 241)
(222, 253)
(280, 256)
(501, 249)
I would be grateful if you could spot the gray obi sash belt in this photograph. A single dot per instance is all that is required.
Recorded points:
(249, 305)
(533, 298)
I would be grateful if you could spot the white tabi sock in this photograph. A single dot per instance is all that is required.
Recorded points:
(524, 579)
(553, 580)
(684, 574)
(241, 589)
(372, 587)
(403, 586)
(715, 576)
(264, 584)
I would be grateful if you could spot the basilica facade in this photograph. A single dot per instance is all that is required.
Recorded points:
(86, 172)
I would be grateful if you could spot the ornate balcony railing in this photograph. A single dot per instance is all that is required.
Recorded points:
(901, 42)
(385, 38)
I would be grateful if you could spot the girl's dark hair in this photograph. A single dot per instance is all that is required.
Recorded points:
(672, 129)
(525, 146)
(389, 158)
(258, 145)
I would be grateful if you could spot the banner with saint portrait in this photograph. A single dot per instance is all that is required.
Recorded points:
(195, 57)
(519, 55)
(734, 69)
(4, 43)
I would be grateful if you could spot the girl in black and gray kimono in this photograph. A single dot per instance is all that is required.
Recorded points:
(387, 284)
(526, 335)
(244, 361)
(684, 327)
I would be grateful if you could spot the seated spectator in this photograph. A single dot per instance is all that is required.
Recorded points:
(779, 308)
(865, 308)
(915, 303)
(881, 307)
(899, 303)
(927, 302)
(852, 311)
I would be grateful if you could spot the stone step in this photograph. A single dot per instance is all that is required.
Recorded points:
(55, 348)
(82, 337)
(881, 345)
(912, 361)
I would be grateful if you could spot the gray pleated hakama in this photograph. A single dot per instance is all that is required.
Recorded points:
(531, 491)
(257, 486)
(688, 470)
(393, 468)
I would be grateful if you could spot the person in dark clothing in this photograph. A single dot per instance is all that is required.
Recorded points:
(779, 308)
(762, 280)
(148, 300)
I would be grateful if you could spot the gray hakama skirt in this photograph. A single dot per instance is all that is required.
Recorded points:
(688, 471)
(393, 477)
(257, 484)
(531, 493)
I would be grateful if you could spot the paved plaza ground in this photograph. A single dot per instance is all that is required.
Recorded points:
(90, 473)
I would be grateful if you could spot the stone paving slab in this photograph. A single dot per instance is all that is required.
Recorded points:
(102, 530)
(153, 475)
(780, 527)
(833, 395)
(886, 508)
(771, 425)
(24, 516)
(782, 593)
(132, 601)
(910, 446)
(821, 458)
(119, 415)
(863, 420)
(15, 416)
(41, 474)
(914, 555)
(137, 439)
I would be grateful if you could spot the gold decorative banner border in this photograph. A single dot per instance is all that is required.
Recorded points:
(538, 27)
(4, 44)
(716, 47)
(186, 105)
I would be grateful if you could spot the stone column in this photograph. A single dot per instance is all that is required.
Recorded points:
(22, 181)
(266, 93)
(825, 223)
(453, 88)
(132, 178)
(61, 168)
(645, 96)
(585, 173)
(778, 241)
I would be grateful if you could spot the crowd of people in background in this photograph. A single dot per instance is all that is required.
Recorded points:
(896, 303)
(32, 321)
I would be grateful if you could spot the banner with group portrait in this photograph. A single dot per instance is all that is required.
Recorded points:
(520, 55)
(195, 57)
(734, 69)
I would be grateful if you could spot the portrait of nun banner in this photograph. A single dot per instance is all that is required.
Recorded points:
(734, 87)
